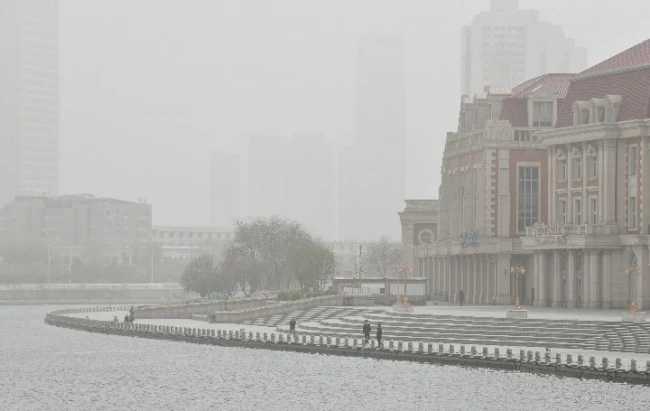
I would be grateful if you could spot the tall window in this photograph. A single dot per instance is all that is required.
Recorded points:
(577, 168)
(577, 211)
(631, 213)
(593, 208)
(563, 170)
(543, 114)
(528, 197)
(633, 160)
(563, 211)
(593, 167)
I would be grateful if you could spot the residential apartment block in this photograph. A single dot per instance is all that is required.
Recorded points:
(92, 229)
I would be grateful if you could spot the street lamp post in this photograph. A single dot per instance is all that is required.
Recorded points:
(517, 270)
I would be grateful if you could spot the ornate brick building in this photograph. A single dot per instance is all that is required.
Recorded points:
(549, 175)
(592, 249)
(493, 186)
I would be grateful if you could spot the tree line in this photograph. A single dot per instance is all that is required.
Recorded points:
(265, 254)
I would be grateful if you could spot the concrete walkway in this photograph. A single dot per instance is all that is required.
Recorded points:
(577, 314)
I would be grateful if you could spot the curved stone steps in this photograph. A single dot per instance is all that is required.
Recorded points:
(414, 335)
(445, 339)
(436, 329)
(461, 327)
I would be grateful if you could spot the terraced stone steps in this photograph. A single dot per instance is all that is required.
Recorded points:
(566, 334)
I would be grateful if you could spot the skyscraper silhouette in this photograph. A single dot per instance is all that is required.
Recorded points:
(29, 98)
(372, 171)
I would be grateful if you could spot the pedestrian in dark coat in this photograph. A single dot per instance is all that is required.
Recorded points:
(292, 326)
(461, 297)
(366, 330)
(379, 332)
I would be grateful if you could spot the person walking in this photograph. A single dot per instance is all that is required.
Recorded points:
(379, 332)
(292, 326)
(461, 297)
(366, 330)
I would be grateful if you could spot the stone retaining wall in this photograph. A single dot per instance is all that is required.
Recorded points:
(286, 307)
(448, 354)
(186, 310)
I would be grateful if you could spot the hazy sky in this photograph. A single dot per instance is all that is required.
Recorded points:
(150, 87)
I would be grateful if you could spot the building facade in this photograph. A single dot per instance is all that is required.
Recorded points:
(506, 45)
(592, 249)
(493, 186)
(183, 243)
(29, 99)
(101, 230)
(419, 221)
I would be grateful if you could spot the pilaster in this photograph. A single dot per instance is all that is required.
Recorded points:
(543, 298)
(594, 280)
(571, 280)
(607, 283)
(557, 279)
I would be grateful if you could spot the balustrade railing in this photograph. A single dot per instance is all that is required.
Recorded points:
(422, 205)
(556, 232)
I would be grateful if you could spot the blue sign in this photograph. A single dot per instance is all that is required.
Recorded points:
(468, 238)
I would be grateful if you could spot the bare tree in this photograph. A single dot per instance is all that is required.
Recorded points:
(382, 258)
(312, 265)
(204, 276)
(267, 244)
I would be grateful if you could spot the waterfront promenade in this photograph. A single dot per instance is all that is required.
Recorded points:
(556, 363)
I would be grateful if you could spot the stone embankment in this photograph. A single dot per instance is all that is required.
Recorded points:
(526, 361)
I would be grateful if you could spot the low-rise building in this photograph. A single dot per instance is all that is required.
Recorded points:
(183, 243)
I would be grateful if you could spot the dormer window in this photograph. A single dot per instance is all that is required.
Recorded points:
(543, 114)
(585, 116)
(601, 114)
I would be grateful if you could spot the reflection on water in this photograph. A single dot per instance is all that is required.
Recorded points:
(48, 368)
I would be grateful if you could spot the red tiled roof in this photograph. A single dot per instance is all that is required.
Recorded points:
(635, 56)
(515, 107)
(557, 83)
(632, 86)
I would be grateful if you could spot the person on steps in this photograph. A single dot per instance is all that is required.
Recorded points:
(379, 332)
(461, 297)
(292, 326)
(366, 330)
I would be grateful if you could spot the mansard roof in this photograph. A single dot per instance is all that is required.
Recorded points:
(557, 83)
(627, 74)
(634, 57)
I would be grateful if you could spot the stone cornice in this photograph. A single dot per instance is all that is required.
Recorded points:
(586, 132)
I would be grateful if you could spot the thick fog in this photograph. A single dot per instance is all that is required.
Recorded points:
(150, 89)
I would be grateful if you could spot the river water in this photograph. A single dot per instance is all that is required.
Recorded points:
(43, 367)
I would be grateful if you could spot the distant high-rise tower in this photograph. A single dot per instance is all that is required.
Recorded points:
(505, 46)
(224, 189)
(29, 98)
(293, 179)
(372, 172)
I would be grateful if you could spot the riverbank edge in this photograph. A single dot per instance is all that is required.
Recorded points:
(466, 360)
